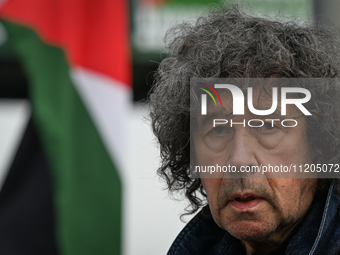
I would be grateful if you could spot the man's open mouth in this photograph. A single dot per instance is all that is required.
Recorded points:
(245, 202)
(239, 199)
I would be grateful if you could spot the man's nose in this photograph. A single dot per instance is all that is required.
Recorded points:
(243, 150)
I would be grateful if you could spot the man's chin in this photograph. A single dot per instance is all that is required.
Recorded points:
(250, 230)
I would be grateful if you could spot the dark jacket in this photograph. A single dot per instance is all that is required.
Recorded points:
(318, 234)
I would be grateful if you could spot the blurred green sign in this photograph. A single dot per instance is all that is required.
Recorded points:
(152, 18)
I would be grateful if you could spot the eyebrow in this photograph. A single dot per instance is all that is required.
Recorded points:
(276, 114)
(277, 111)
(214, 115)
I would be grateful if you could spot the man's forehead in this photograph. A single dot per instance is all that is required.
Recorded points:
(261, 97)
(261, 100)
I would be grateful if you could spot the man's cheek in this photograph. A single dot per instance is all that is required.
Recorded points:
(211, 187)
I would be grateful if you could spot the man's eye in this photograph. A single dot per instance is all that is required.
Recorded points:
(268, 126)
(219, 130)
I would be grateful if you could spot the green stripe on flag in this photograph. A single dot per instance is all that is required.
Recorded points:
(87, 189)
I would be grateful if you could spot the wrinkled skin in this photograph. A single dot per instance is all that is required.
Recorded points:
(278, 204)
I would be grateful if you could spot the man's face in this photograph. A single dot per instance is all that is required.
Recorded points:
(255, 209)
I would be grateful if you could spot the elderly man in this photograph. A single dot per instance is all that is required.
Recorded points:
(294, 210)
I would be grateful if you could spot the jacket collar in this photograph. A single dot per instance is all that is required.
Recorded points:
(325, 226)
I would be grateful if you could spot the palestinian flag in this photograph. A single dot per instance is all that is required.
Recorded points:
(76, 57)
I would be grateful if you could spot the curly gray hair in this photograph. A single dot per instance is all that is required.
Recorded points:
(228, 43)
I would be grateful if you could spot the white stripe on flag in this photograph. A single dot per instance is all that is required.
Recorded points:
(108, 101)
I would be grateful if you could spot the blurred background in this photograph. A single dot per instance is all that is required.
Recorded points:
(72, 144)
